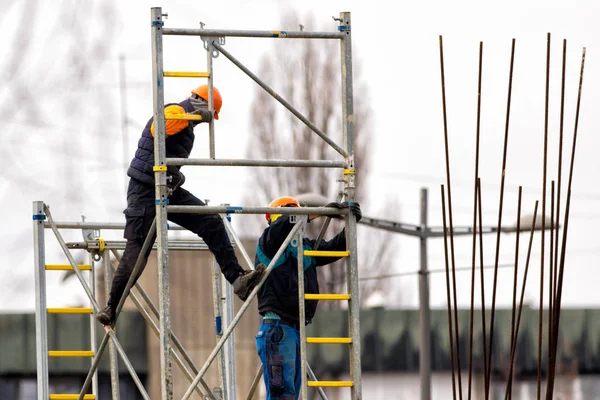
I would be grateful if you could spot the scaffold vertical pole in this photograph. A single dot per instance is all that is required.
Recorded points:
(161, 194)
(218, 311)
(352, 262)
(301, 306)
(41, 327)
(229, 313)
(112, 352)
(209, 67)
(93, 335)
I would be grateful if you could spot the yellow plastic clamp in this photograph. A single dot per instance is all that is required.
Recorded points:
(159, 168)
(100, 244)
(349, 172)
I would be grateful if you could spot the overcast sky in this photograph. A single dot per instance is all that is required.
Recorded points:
(63, 143)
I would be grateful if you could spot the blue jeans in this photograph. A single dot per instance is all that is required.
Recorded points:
(278, 347)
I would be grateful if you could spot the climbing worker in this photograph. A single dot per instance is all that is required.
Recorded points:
(140, 211)
(278, 340)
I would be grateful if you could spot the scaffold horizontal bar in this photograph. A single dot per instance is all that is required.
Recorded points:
(328, 340)
(323, 253)
(72, 397)
(255, 34)
(67, 267)
(120, 245)
(324, 296)
(257, 163)
(70, 310)
(330, 383)
(70, 353)
(183, 74)
(185, 117)
(100, 225)
(256, 210)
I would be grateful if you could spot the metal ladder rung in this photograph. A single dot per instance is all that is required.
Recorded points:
(324, 296)
(330, 383)
(329, 340)
(323, 253)
(70, 310)
(183, 74)
(186, 117)
(71, 396)
(70, 353)
(67, 267)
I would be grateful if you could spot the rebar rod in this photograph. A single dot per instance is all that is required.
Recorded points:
(501, 202)
(543, 241)
(554, 345)
(513, 335)
(483, 330)
(451, 224)
(448, 294)
(560, 155)
(514, 348)
(475, 183)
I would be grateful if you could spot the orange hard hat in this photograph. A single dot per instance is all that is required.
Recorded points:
(283, 201)
(202, 91)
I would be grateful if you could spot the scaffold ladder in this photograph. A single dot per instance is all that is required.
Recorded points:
(39, 216)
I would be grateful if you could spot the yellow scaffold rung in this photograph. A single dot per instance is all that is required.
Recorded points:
(330, 383)
(329, 340)
(323, 253)
(187, 117)
(70, 353)
(72, 396)
(323, 296)
(70, 310)
(185, 74)
(67, 267)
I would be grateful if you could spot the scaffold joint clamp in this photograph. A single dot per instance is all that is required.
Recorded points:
(41, 217)
(162, 201)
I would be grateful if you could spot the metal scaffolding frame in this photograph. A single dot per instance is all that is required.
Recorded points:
(214, 41)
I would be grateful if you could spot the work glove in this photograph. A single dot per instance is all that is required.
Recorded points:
(354, 209)
(207, 116)
(174, 179)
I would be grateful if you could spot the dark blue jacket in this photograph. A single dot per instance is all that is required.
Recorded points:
(178, 145)
(279, 293)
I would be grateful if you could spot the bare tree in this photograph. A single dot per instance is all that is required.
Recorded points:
(307, 74)
(53, 99)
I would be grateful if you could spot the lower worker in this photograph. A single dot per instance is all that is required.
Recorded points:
(141, 203)
(278, 340)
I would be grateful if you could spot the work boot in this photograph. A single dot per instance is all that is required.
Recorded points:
(106, 316)
(247, 281)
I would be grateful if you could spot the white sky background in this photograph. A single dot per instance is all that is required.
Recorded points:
(76, 164)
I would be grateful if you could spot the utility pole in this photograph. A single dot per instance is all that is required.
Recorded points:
(124, 117)
(424, 309)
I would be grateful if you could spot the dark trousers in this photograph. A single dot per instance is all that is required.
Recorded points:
(139, 214)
